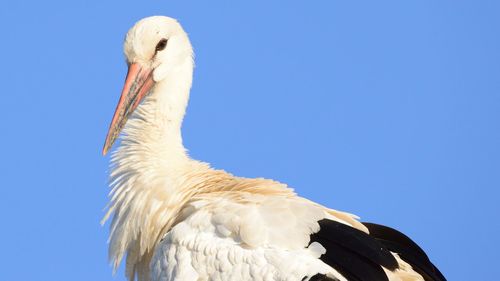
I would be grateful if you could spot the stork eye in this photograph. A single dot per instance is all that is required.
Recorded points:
(161, 45)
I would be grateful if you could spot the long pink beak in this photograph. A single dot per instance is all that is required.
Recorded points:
(138, 83)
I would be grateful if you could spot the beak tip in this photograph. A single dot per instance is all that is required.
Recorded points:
(105, 150)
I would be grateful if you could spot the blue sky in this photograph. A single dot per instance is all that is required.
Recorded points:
(387, 109)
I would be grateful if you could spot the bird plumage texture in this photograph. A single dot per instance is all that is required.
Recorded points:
(175, 218)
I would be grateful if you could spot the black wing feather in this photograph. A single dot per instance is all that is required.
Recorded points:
(408, 250)
(350, 264)
(360, 257)
(321, 277)
(355, 254)
(356, 241)
(386, 233)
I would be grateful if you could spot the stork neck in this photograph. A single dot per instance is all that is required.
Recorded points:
(154, 132)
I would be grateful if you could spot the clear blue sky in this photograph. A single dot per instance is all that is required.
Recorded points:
(387, 109)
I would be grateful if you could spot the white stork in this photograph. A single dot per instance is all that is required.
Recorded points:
(175, 218)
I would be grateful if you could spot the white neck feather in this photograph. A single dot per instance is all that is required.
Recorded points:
(154, 130)
(146, 169)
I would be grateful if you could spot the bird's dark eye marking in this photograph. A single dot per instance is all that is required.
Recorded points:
(161, 45)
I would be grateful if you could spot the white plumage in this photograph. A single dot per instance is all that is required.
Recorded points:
(206, 244)
(175, 218)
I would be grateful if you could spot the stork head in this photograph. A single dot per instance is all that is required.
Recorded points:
(154, 47)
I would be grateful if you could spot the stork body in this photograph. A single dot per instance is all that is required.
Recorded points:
(175, 218)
